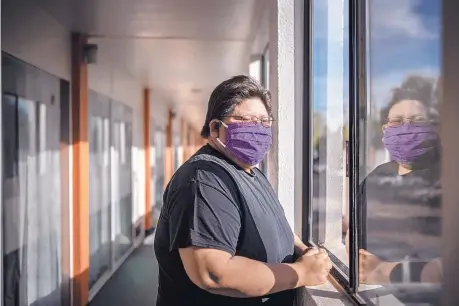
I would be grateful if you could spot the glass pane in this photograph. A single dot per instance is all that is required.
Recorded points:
(266, 72)
(159, 173)
(11, 212)
(31, 190)
(99, 190)
(177, 143)
(153, 173)
(32, 201)
(28, 172)
(122, 178)
(400, 196)
(265, 82)
(255, 69)
(330, 121)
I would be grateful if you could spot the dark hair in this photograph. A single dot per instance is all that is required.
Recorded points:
(230, 93)
(416, 88)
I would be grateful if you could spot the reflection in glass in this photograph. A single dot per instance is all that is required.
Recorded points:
(330, 121)
(122, 178)
(259, 70)
(99, 191)
(158, 175)
(11, 211)
(177, 143)
(400, 196)
(31, 203)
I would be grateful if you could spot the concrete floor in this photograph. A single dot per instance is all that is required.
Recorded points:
(135, 283)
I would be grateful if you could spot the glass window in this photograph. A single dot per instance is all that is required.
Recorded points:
(176, 143)
(255, 69)
(31, 203)
(330, 123)
(259, 69)
(100, 243)
(158, 175)
(393, 175)
(266, 68)
(400, 195)
(121, 116)
(10, 154)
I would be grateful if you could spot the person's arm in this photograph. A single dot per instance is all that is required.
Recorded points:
(374, 271)
(220, 273)
(204, 227)
(300, 247)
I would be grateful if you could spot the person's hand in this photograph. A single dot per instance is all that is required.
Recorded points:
(313, 266)
(372, 270)
(432, 272)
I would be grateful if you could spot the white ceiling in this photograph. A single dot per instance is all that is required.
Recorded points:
(180, 48)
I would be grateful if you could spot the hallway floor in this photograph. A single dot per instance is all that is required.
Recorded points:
(135, 283)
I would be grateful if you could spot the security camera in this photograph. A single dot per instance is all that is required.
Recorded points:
(90, 53)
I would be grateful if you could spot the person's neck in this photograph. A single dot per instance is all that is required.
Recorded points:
(403, 170)
(217, 147)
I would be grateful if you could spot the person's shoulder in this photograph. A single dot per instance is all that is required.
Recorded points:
(380, 172)
(388, 168)
(203, 171)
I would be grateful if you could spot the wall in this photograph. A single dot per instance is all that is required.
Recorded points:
(31, 35)
(261, 37)
(159, 108)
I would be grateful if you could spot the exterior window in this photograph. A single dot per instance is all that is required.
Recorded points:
(330, 124)
(375, 197)
(400, 194)
(259, 70)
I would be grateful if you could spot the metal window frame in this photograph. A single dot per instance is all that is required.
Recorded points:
(357, 88)
(357, 97)
(450, 147)
(1, 178)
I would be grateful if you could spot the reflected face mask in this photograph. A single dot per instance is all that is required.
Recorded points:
(408, 143)
(248, 142)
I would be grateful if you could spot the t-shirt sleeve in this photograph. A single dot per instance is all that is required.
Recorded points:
(204, 216)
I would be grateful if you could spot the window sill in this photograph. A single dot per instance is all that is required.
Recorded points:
(326, 294)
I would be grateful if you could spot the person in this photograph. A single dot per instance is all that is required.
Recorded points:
(400, 201)
(222, 237)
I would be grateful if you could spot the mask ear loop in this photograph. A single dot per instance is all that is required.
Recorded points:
(218, 138)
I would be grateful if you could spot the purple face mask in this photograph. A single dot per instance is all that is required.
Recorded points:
(408, 142)
(248, 142)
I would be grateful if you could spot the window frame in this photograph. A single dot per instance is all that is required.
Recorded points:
(357, 97)
(358, 102)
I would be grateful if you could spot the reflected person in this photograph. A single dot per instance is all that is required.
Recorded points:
(222, 236)
(400, 201)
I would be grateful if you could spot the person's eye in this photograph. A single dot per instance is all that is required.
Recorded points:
(395, 121)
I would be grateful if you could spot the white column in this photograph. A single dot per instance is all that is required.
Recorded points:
(286, 86)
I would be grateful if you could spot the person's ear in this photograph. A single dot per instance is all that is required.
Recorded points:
(214, 127)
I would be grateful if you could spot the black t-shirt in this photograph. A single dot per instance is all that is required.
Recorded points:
(212, 203)
(401, 214)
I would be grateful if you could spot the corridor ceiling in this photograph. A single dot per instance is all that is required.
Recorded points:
(180, 48)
